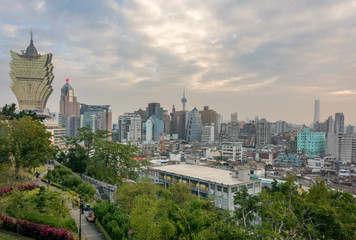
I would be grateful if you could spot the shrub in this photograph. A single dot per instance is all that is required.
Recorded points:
(26, 187)
(59, 173)
(86, 191)
(37, 231)
(114, 221)
(72, 181)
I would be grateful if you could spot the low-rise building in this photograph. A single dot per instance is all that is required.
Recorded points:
(232, 151)
(316, 164)
(206, 181)
(266, 156)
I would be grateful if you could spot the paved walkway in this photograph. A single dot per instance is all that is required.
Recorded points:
(89, 230)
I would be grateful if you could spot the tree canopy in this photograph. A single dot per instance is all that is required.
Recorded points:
(92, 153)
(24, 143)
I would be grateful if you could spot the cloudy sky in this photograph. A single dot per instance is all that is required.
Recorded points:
(265, 58)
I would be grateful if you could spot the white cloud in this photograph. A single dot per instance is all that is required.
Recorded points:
(297, 49)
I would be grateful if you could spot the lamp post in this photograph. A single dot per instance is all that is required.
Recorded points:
(80, 220)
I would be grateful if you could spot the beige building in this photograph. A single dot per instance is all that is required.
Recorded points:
(205, 181)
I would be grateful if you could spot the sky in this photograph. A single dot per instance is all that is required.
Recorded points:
(267, 58)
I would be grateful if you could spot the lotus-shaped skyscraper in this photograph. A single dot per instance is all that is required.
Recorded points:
(31, 75)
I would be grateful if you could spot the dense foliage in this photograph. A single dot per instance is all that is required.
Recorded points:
(6, 190)
(8, 112)
(24, 143)
(280, 212)
(174, 213)
(64, 176)
(93, 154)
(44, 207)
(116, 222)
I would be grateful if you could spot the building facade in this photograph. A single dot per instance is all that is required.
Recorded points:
(129, 127)
(339, 123)
(194, 126)
(311, 143)
(69, 110)
(96, 117)
(207, 135)
(263, 133)
(232, 151)
(31, 75)
(317, 111)
(205, 181)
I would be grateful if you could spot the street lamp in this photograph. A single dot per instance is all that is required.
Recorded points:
(80, 220)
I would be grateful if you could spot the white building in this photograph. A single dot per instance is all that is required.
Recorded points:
(206, 181)
(232, 150)
(345, 149)
(129, 126)
(207, 135)
(316, 164)
(58, 133)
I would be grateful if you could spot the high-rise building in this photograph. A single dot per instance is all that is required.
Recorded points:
(281, 127)
(149, 129)
(158, 127)
(209, 116)
(154, 109)
(317, 111)
(194, 126)
(234, 117)
(311, 143)
(339, 123)
(263, 133)
(31, 75)
(129, 126)
(178, 123)
(345, 148)
(233, 130)
(350, 130)
(69, 112)
(330, 125)
(207, 135)
(166, 118)
(96, 117)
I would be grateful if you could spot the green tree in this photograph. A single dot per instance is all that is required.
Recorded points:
(127, 192)
(26, 143)
(8, 112)
(148, 221)
(100, 158)
(320, 213)
(246, 207)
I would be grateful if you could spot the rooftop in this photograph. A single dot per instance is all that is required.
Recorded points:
(201, 172)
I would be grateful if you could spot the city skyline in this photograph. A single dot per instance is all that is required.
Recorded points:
(270, 60)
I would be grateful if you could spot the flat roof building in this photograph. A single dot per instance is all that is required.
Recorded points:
(206, 181)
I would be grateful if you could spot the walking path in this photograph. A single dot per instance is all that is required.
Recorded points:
(88, 229)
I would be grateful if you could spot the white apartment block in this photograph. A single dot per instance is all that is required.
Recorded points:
(232, 150)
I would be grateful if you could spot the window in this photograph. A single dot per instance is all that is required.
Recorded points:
(250, 186)
(212, 186)
(225, 189)
(219, 188)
